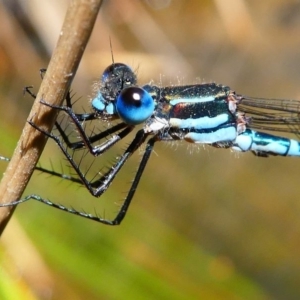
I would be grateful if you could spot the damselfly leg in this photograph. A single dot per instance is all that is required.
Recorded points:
(77, 120)
(209, 114)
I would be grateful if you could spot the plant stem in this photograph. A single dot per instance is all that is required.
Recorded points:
(78, 24)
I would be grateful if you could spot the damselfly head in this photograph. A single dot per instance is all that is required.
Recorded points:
(119, 97)
(114, 79)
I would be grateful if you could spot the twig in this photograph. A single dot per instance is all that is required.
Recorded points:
(76, 30)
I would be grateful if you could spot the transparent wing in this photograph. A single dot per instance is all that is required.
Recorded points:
(272, 114)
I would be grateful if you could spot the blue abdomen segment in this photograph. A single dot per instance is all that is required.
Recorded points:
(263, 144)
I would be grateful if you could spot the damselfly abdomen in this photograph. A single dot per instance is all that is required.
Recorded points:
(209, 114)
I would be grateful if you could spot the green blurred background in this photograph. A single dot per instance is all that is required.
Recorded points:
(205, 223)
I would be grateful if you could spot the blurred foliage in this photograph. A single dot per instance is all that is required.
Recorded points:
(205, 223)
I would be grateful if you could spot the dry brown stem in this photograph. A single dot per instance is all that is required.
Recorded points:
(76, 30)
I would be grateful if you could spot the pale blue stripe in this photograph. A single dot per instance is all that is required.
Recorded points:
(192, 100)
(221, 135)
(200, 123)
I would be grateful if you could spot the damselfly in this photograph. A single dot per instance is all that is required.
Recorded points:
(209, 114)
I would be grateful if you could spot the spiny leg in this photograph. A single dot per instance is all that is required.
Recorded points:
(87, 141)
(80, 117)
(69, 105)
(27, 89)
(98, 187)
(97, 137)
(124, 208)
(50, 172)
(105, 181)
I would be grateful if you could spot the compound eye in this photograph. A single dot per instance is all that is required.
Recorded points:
(118, 71)
(134, 105)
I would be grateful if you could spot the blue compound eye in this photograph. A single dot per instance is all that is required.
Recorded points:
(134, 105)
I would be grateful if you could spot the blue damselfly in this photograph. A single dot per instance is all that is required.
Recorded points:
(208, 113)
